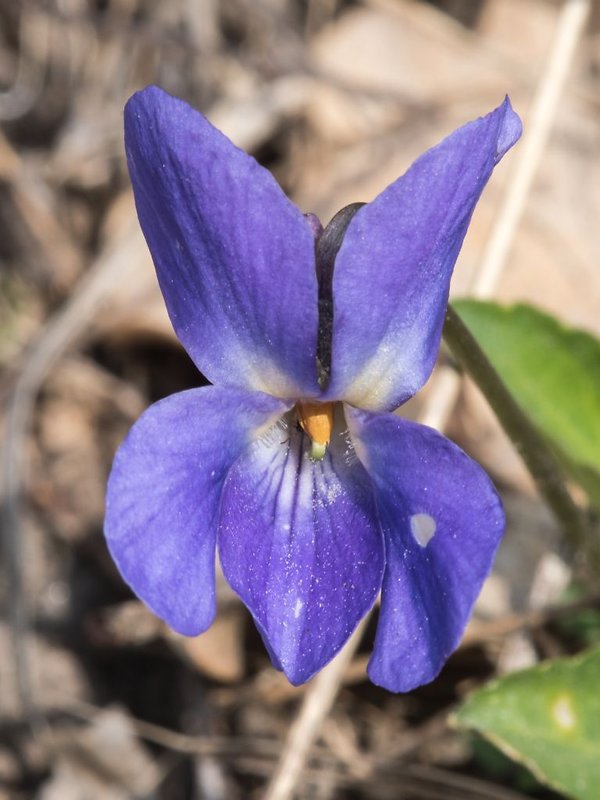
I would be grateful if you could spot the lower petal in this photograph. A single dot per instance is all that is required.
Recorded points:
(300, 543)
(442, 521)
(163, 495)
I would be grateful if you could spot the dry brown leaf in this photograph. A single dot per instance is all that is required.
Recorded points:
(219, 652)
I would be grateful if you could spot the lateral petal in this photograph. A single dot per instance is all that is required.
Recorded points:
(442, 521)
(392, 273)
(163, 497)
(234, 257)
(300, 543)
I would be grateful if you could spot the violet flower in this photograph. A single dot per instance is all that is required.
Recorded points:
(317, 496)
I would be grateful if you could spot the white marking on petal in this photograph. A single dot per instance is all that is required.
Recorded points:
(422, 527)
(264, 376)
(298, 608)
(285, 497)
(377, 382)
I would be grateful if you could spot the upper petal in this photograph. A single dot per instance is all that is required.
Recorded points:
(442, 520)
(300, 543)
(163, 495)
(392, 273)
(234, 257)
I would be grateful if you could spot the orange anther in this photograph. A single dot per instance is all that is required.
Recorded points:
(316, 420)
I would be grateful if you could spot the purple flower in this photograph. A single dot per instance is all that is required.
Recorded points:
(316, 496)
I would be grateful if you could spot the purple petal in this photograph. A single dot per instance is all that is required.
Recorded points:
(234, 258)
(300, 543)
(392, 273)
(163, 496)
(442, 521)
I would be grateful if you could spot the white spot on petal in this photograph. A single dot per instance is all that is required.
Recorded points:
(298, 608)
(422, 527)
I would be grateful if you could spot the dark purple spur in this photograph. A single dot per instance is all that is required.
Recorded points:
(292, 465)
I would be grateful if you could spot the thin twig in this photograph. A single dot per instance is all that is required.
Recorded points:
(29, 195)
(305, 729)
(30, 72)
(540, 120)
(415, 780)
(175, 740)
(256, 754)
(485, 630)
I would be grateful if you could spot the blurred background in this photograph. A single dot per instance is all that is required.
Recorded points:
(337, 97)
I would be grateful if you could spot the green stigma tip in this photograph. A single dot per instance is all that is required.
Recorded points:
(317, 451)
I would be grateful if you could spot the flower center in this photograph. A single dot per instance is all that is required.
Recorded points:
(316, 420)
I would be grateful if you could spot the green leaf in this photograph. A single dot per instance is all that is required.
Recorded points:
(548, 719)
(554, 374)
